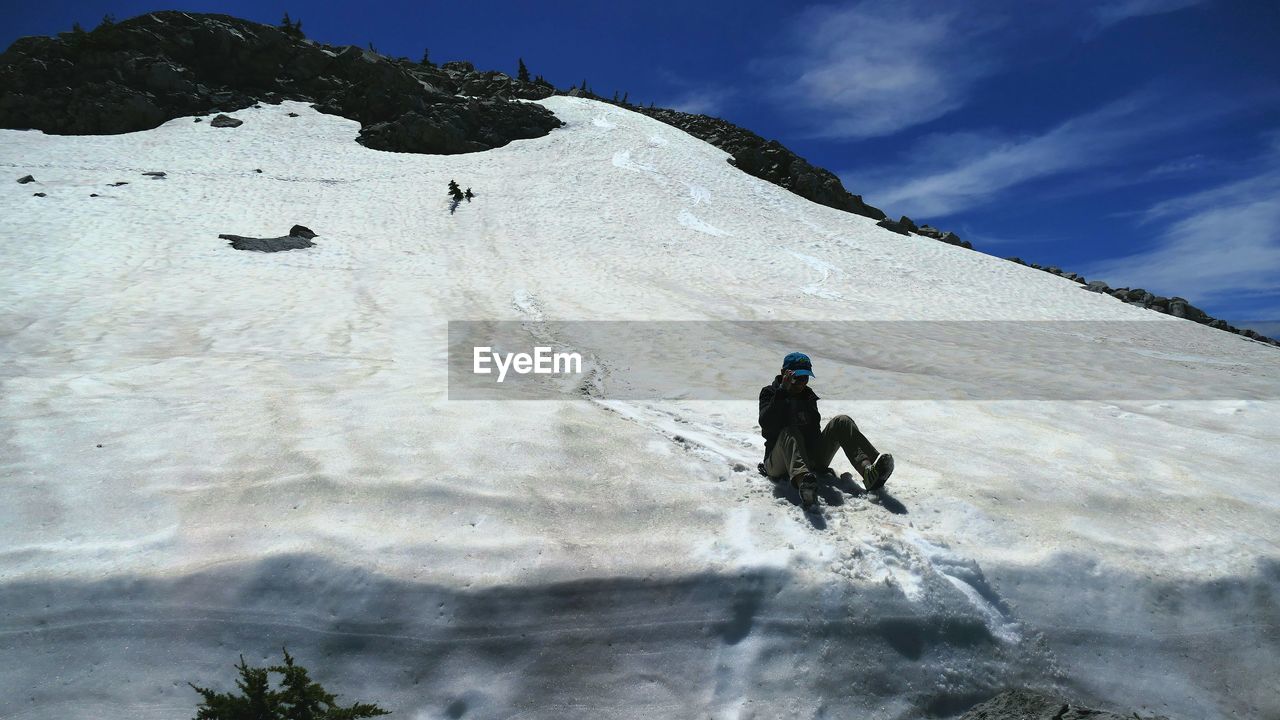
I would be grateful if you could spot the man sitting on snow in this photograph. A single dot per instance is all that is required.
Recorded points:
(794, 444)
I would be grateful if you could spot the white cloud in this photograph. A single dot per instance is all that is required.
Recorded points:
(880, 66)
(1116, 11)
(955, 171)
(704, 101)
(1220, 245)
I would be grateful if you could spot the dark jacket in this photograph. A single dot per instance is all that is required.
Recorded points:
(778, 410)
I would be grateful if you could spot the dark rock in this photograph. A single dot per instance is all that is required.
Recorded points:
(155, 174)
(93, 194)
(739, 467)
(225, 121)
(293, 114)
(301, 231)
(1098, 286)
(450, 129)
(39, 194)
(893, 226)
(459, 66)
(1017, 260)
(136, 74)
(257, 170)
(906, 222)
(953, 239)
(1029, 705)
(199, 120)
(118, 184)
(25, 179)
(277, 244)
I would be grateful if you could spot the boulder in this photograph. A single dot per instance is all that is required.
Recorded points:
(39, 194)
(893, 226)
(1097, 286)
(224, 121)
(906, 222)
(25, 179)
(301, 231)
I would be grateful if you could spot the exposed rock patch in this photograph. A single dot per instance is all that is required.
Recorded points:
(225, 121)
(1028, 705)
(25, 179)
(299, 237)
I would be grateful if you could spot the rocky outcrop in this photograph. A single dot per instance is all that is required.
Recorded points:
(768, 160)
(1175, 306)
(224, 121)
(137, 74)
(1028, 705)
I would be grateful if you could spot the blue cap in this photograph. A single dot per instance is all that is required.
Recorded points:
(799, 363)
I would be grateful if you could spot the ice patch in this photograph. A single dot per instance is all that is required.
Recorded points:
(825, 271)
(623, 160)
(690, 221)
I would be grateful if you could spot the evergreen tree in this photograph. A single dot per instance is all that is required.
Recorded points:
(75, 27)
(468, 195)
(285, 23)
(455, 192)
(426, 58)
(523, 74)
(624, 98)
(298, 698)
(108, 20)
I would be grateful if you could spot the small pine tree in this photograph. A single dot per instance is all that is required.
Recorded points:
(455, 192)
(75, 27)
(426, 58)
(372, 48)
(523, 73)
(285, 22)
(624, 98)
(298, 698)
(108, 20)
(468, 195)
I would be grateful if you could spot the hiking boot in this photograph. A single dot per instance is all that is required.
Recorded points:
(807, 484)
(877, 474)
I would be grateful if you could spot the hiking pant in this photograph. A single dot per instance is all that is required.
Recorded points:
(790, 457)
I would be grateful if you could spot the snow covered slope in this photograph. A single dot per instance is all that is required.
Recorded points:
(206, 452)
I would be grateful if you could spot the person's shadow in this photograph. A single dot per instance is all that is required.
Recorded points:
(833, 489)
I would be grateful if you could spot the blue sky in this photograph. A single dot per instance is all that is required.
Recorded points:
(1134, 141)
